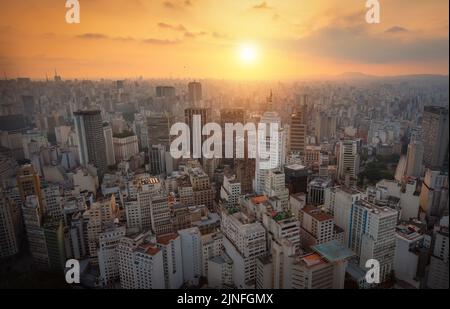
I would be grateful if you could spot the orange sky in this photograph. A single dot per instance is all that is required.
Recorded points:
(201, 38)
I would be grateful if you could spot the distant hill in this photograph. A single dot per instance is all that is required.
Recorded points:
(363, 76)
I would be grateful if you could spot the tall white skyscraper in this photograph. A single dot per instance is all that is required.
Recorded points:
(276, 154)
(170, 245)
(141, 263)
(109, 142)
(191, 248)
(244, 242)
(107, 254)
(372, 235)
(434, 192)
(349, 160)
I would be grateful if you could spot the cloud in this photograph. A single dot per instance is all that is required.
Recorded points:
(396, 29)
(153, 41)
(218, 35)
(177, 5)
(101, 36)
(180, 27)
(350, 38)
(93, 36)
(194, 35)
(262, 6)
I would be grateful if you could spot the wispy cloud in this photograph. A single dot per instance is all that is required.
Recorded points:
(93, 36)
(262, 6)
(177, 5)
(180, 27)
(101, 36)
(396, 29)
(350, 38)
(153, 41)
(194, 35)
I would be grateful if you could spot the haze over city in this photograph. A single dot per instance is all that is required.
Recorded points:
(203, 146)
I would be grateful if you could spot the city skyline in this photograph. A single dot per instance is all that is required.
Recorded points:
(262, 40)
(203, 146)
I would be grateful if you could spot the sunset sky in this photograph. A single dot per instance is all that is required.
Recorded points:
(245, 39)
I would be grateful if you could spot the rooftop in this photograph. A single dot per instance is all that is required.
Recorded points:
(259, 199)
(166, 239)
(312, 259)
(296, 167)
(317, 213)
(148, 248)
(377, 210)
(333, 251)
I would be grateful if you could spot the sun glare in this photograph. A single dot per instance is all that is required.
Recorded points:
(248, 53)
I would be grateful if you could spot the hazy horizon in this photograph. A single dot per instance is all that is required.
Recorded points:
(245, 40)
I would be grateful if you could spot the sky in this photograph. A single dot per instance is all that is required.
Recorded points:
(233, 39)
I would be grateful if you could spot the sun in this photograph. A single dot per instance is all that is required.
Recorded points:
(248, 53)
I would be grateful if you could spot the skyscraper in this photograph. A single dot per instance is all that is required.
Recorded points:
(9, 241)
(191, 248)
(91, 140)
(276, 154)
(108, 133)
(231, 116)
(298, 132)
(205, 117)
(348, 164)
(29, 184)
(435, 126)
(372, 235)
(165, 92)
(159, 129)
(414, 159)
(244, 242)
(325, 126)
(125, 146)
(195, 92)
(33, 221)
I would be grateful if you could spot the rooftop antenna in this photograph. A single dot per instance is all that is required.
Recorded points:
(270, 101)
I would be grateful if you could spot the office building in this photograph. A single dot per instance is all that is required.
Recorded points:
(298, 132)
(9, 237)
(349, 159)
(170, 246)
(317, 226)
(414, 159)
(195, 94)
(159, 125)
(125, 146)
(191, 248)
(435, 127)
(109, 143)
(204, 116)
(372, 235)
(91, 139)
(165, 92)
(244, 242)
